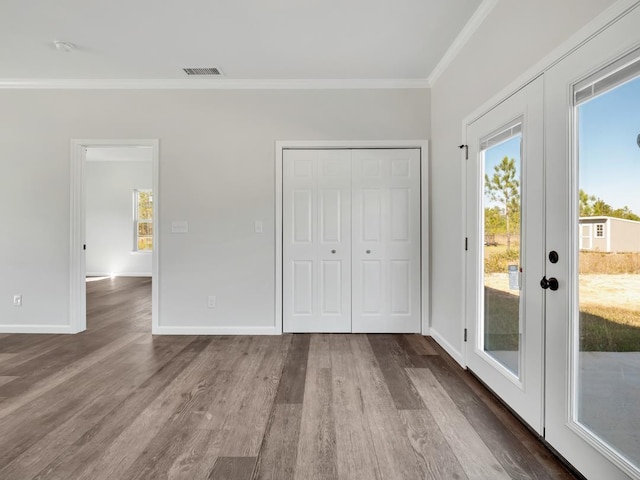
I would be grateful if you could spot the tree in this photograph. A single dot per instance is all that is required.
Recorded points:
(592, 206)
(504, 188)
(494, 221)
(586, 201)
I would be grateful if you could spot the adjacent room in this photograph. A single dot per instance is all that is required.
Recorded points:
(301, 240)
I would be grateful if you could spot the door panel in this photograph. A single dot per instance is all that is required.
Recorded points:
(592, 319)
(505, 251)
(386, 240)
(317, 241)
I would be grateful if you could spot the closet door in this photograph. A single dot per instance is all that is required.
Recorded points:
(317, 241)
(386, 241)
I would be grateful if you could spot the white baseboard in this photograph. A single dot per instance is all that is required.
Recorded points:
(108, 274)
(36, 329)
(214, 330)
(455, 354)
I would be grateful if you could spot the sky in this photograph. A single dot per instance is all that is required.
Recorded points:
(494, 155)
(609, 156)
(608, 151)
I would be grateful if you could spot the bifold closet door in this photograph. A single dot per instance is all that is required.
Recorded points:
(317, 240)
(386, 241)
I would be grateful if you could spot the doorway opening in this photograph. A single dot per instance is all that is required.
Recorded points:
(114, 246)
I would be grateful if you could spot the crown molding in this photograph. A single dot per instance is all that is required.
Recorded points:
(213, 84)
(481, 13)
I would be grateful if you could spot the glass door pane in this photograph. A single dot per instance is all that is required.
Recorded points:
(607, 335)
(505, 254)
(501, 320)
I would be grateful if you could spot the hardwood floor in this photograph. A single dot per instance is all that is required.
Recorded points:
(116, 403)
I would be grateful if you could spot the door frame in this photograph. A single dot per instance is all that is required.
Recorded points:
(77, 268)
(423, 146)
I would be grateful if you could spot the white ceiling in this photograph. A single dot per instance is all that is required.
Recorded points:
(246, 39)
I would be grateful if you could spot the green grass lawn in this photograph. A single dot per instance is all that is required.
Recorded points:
(602, 329)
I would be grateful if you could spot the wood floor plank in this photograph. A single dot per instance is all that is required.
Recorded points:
(162, 389)
(58, 422)
(420, 344)
(4, 358)
(394, 454)
(316, 457)
(118, 457)
(278, 454)
(233, 468)
(197, 459)
(547, 460)
(6, 379)
(354, 444)
(52, 409)
(291, 387)
(254, 399)
(510, 452)
(391, 361)
(63, 375)
(474, 456)
(429, 442)
(319, 350)
(176, 434)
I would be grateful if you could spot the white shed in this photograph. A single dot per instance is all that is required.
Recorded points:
(609, 234)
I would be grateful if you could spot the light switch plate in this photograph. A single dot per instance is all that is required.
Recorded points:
(258, 227)
(179, 226)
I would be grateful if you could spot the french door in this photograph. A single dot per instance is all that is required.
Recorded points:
(505, 230)
(592, 100)
(553, 266)
(351, 240)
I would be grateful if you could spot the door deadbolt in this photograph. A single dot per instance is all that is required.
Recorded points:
(553, 256)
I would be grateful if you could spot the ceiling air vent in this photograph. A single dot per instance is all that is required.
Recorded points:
(211, 71)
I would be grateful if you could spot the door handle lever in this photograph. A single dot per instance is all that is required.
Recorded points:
(551, 283)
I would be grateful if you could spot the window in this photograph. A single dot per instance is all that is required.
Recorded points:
(143, 220)
(599, 230)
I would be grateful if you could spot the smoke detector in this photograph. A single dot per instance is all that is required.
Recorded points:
(207, 71)
(64, 46)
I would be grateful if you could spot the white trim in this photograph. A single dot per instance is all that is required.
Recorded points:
(212, 330)
(77, 268)
(212, 84)
(455, 354)
(586, 33)
(425, 235)
(423, 145)
(9, 328)
(479, 16)
(129, 274)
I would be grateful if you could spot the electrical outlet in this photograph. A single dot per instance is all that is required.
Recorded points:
(211, 301)
(17, 300)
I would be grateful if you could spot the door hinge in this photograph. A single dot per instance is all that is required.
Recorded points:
(466, 150)
(466, 243)
(465, 334)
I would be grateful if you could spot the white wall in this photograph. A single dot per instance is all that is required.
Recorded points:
(514, 37)
(216, 171)
(109, 214)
